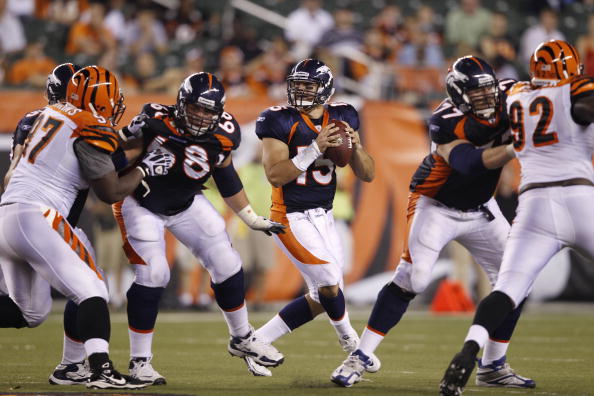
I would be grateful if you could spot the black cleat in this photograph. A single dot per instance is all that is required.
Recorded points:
(108, 378)
(457, 374)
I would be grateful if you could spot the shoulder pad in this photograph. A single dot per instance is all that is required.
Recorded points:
(96, 133)
(506, 84)
(518, 87)
(581, 87)
(156, 110)
(228, 132)
(26, 123)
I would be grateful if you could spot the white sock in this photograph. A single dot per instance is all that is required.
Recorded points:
(237, 321)
(96, 345)
(494, 350)
(274, 329)
(343, 326)
(73, 351)
(370, 340)
(478, 334)
(140, 343)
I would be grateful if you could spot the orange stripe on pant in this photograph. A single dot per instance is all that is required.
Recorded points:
(413, 197)
(133, 257)
(61, 226)
(291, 243)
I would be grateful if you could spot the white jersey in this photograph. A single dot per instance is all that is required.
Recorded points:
(49, 173)
(549, 144)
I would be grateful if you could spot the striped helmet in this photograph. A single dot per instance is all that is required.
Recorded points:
(96, 89)
(554, 62)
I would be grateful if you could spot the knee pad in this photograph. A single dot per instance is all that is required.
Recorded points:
(410, 278)
(420, 278)
(221, 261)
(155, 273)
(35, 318)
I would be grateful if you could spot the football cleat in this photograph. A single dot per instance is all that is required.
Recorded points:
(349, 344)
(142, 369)
(256, 369)
(457, 374)
(351, 370)
(261, 352)
(70, 374)
(108, 378)
(500, 374)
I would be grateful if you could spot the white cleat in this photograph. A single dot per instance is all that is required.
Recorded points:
(349, 344)
(351, 370)
(256, 369)
(249, 345)
(141, 369)
(70, 374)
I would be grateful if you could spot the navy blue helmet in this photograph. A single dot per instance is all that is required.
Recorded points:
(473, 87)
(317, 92)
(57, 81)
(200, 103)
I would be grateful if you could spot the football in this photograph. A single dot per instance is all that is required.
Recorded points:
(340, 155)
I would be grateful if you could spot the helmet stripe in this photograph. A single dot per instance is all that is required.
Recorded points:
(477, 62)
(108, 79)
(93, 94)
(209, 80)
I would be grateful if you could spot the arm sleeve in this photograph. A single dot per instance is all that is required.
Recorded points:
(227, 180)
(467, 159)
(268, 125)
(94, 162)
(582, 87)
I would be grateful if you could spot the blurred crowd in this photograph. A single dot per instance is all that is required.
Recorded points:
(379, 49)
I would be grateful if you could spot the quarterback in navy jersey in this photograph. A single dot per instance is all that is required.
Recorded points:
(304, 182)
(451, 198)
(201, 136)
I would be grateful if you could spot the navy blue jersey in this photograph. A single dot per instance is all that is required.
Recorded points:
(315, 187)
(195, 159)
(435, 178)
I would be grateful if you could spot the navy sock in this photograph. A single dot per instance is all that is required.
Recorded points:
(230, 294)
(492, 311)
(391, 304)
(296, 313)
(93, 319)
(506, 329)
(335, 307)
(10, 314)
(143, 306)
(70, 321)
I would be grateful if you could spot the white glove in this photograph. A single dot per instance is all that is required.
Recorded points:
(156, 163)
(134, 129)
(260, 223)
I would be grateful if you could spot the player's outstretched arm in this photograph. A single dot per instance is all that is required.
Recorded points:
(467, 159)
(362, 163)
(231, 189)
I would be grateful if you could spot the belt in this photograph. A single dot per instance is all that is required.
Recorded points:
(481, 208)
(578, 181)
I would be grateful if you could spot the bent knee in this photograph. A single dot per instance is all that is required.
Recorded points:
(329, 291)
(34, 319)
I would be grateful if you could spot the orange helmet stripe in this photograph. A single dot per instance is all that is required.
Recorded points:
(476, 61)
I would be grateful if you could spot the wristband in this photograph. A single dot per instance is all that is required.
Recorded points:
(307, 156)
(247, 215)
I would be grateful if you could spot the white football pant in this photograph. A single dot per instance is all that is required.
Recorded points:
(431, 225)
(312, 243)
(548, 219)
(200, 227)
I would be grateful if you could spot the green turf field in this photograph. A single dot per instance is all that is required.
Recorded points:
(556, 349)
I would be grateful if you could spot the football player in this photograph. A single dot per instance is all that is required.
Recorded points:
(551, 120)
(451, 198)
(67, 150)
(71, 370)
(201, 136)
(295, 138)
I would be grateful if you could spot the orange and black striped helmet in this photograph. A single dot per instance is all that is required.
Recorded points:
(96, 89)
(554, 62)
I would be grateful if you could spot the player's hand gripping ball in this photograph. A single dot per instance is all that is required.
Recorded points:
(340, 155)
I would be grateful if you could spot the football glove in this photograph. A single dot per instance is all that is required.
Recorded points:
(134, 129)
(156, 163)
(260, 223)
